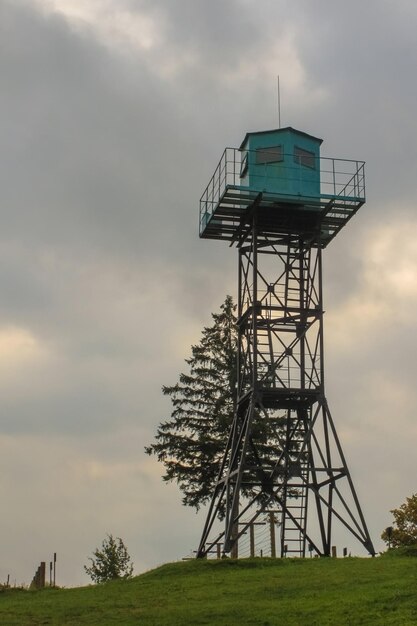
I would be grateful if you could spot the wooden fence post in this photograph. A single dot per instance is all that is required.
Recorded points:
(272, 531)
(252, 539)
(42, 574)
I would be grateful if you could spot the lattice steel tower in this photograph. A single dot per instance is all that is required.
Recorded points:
(281, 204)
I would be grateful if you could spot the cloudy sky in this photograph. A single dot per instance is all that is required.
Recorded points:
(113, 115)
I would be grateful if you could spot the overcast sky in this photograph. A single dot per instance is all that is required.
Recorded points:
(113, 115)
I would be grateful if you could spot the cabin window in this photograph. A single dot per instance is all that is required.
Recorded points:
(304, 157)
(244, 165)
(273, 154)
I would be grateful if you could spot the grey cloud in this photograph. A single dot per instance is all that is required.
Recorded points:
(90, 146)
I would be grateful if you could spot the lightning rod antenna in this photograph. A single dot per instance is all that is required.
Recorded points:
(279, 103)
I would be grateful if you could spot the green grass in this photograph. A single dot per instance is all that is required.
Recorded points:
(262, 592)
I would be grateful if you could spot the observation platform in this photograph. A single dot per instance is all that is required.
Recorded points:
(282, 398)
(286, 199)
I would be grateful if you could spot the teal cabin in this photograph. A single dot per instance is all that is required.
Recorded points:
(285, 162)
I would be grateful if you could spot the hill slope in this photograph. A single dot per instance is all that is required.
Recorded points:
(264, 592)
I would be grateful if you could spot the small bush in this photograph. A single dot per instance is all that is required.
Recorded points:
(111, 562)
(401, 551)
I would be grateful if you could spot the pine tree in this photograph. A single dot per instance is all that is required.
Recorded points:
(191, 444)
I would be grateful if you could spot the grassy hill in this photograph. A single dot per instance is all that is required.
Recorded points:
(262, 592)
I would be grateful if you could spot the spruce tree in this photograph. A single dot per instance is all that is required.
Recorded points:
(191, 443)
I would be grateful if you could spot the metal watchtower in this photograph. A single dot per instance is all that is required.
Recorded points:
(280, 203)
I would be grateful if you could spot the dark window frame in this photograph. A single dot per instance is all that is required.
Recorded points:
(269, 154)
(304, 157)
(244, 165)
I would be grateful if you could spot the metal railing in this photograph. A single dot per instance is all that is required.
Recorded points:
(342, 179)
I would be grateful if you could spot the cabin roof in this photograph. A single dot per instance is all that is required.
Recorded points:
(278, 130)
